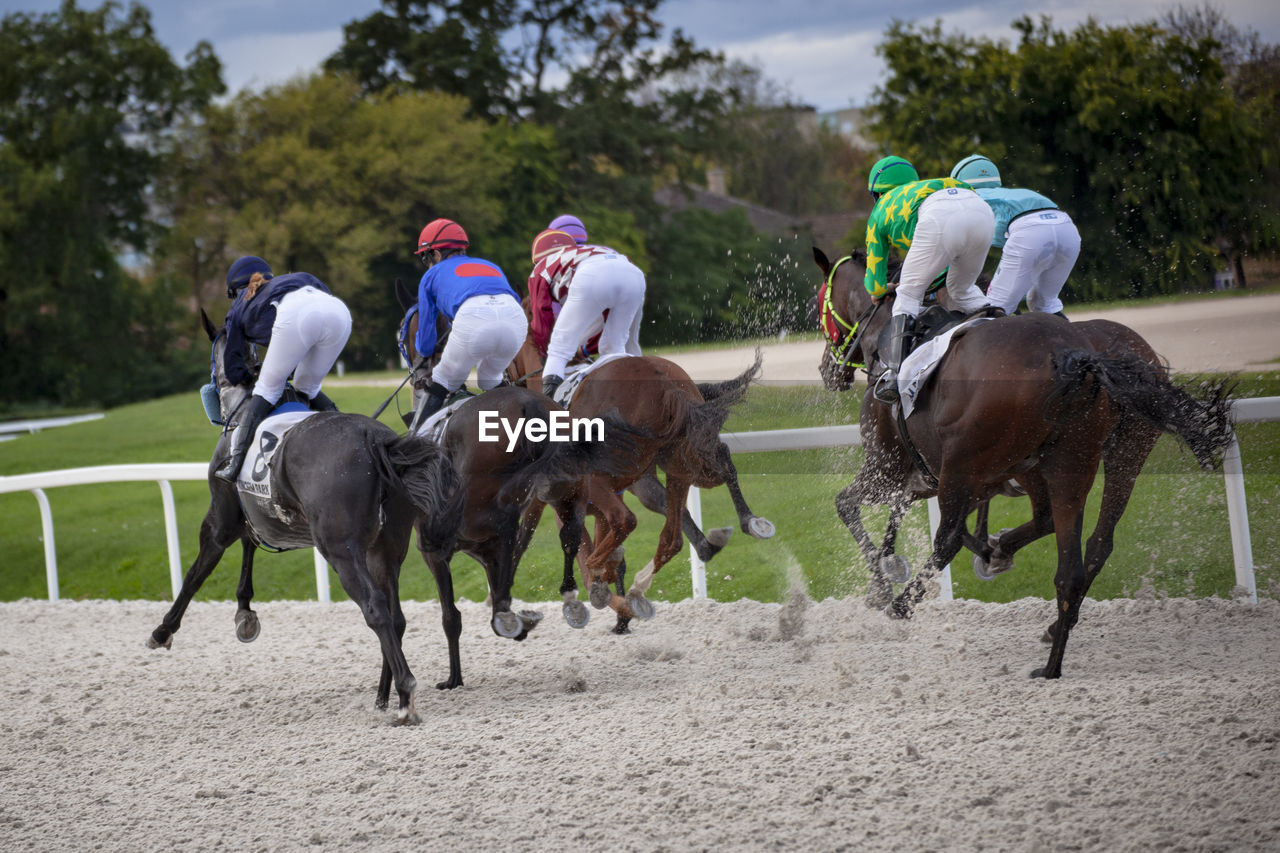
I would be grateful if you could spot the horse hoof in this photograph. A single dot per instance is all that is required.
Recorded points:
(153, 643)
(247, 626)
(576, 614)
(895, 568)
(449, 684)
(507, 624)
(617, 555)
(760, 528)
(406, 718)
(622, 626)
(641, 607)
(1043, 672)
(530, 618)
(982, 568)
(720, 536)
(600, 595)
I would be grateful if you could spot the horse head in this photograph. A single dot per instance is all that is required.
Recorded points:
(849, 318)
(526, 368)
(407, 336)
(230, 396)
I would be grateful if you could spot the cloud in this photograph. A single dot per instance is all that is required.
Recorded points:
(261, 60)
(828, 72)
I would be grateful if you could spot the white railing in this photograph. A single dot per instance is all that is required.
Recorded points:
(1256, 410)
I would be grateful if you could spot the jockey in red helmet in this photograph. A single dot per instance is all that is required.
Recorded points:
(488, 324)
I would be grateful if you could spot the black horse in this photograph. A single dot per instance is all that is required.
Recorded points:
(352, 488)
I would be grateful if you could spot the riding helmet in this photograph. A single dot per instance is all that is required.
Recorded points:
(977, 171)
(441, 234)
(551, 241)
(242, 270)
(570, 225)
(890, 172)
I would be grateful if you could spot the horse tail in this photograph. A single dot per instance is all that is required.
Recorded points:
(706, 419)
(734, 389)
(1201, 419)
(609, 447)
(420, 468)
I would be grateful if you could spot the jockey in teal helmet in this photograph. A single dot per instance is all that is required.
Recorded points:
(1039, 244)
(942, 225)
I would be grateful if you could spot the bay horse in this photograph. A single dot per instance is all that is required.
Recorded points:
(1030, 398)
(681, 421)
(503, 482)
(346, 485)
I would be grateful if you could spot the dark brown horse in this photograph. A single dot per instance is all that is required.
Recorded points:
(681, 426)
(350, 487)
(1028, 398)
(503, 479)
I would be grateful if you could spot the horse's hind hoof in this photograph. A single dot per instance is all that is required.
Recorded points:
(898, 610)
(719, 537)
(982, 569)
(895, 568)
(600, 595)
(760, 528)
(406, 718)
(153, 643)
(507, 624)
(530, 618)
(247, 626)
(641, 607)
(576, 614)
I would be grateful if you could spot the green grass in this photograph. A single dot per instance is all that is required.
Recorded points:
(111, 544)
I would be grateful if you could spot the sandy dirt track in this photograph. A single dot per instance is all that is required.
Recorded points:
(805, 726)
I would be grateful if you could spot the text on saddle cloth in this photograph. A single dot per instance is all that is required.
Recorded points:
(919, 366)
(564, 394)
(255, 474)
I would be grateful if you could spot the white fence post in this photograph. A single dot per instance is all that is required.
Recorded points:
(171, 537)
(1238, 518)
(50, 552)
(697, 568)
(322, 577)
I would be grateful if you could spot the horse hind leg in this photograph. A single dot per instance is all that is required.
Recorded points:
(753, 525)
(669, 545)
(653, 497)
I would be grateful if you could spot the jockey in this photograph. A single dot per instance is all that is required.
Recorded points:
(304, 327)
(488, 323)
(570, 225)
(1039, 244)
(943, 225)
(585, 281)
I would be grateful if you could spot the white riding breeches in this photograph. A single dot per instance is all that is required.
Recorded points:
(953, 232)
(1039, 254)
(310, 330)
(599, 283)
(488, 331)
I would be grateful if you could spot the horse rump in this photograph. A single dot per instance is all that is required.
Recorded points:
(422, 470)
(555, 472)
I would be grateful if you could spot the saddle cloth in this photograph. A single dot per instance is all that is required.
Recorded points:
(255, 474)
(919, 366)
(564, 394)
(434, 426)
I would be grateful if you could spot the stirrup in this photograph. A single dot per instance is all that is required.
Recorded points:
(886, 388)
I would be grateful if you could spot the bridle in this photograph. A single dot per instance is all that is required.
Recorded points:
(841, 351)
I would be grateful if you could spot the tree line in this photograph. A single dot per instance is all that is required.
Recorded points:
(129, 180)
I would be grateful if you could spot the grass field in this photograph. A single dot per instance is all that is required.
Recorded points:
(111, 544)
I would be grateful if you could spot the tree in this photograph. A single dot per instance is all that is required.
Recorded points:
(1132, 130)
(313, 176)
(85, 98)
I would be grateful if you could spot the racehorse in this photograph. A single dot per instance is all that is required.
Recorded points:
(682, 425)
(526, 371)
(503, 482)
(347, 485)
(1029, 398)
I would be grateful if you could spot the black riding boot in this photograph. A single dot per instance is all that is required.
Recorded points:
(255, 411)
(903, 330)
(435, 400)
(550, 384)
(321, 403)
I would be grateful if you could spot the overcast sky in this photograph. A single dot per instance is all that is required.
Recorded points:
(822, 50)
